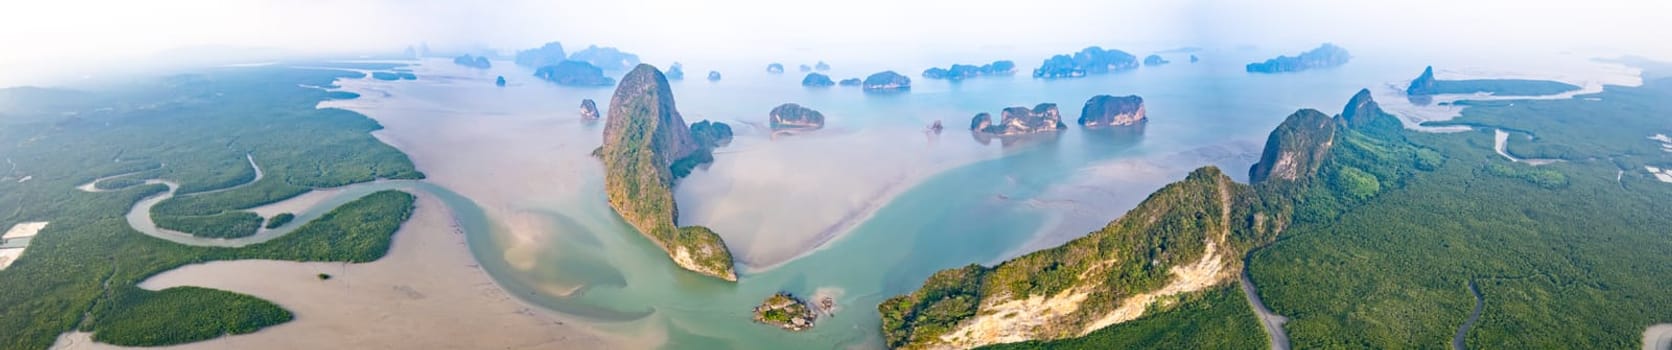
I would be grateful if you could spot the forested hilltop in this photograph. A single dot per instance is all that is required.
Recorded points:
(1365, 235)
(1185, 242)
(199, 130)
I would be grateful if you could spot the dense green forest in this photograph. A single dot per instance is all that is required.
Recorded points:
(197, 130)
(1567, 255)
(1395, 224)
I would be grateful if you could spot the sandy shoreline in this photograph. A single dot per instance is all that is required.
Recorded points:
(1658, 337)
(427, 293)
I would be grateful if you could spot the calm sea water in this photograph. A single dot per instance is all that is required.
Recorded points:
(958, 201)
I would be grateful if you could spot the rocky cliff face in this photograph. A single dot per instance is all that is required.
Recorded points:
(1423, 84)
(643, 140)
(1296, 148)
(589, 110)
(794, 116)
(1089, 283)
(1020, 121)
(887, 81)
(1107, 111)
(981, 122)
(1362, 112)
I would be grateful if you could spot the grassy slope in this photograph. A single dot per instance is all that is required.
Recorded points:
(88, 257)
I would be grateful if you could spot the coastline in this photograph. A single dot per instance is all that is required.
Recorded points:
(428, 275)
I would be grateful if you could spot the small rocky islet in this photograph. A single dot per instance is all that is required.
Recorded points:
(817, 80)
(788, 312)
(886, 81)
(790, 116)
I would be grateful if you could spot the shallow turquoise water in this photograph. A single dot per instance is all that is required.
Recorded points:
(975, 213)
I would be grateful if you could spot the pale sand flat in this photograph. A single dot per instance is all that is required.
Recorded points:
(427, 293)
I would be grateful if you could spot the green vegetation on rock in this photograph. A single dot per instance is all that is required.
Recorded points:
(1187, 237)
(1578, 242)
(647, 147)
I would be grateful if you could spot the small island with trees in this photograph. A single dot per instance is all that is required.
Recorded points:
(786, 311)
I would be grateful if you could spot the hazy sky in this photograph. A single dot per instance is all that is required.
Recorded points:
(46, 36)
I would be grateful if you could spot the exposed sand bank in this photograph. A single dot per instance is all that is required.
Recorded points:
(16, 240)
(1500, 140)
(427, 293)
(1658, 337)
(775, 200)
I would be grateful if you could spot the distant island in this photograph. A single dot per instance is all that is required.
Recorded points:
(1020, 120)
(478, 62)
(786, 311)
(607, 58)
(711, 134)
(1425, 85)
(964, 71)
(500, 81)
(549, 54)
(775, 68)
(713, 76)
(887, 81)
(1193, 59)
(1091, 60)
(817, 80)
(676, 71)
(589, 109)
(1325, 56)
(574, 73)
(849, 82)
(821, 66)
(1155, 60)
(647, 146)
(805, 68)
(401, 75)
(790, 116)
(1106, 111)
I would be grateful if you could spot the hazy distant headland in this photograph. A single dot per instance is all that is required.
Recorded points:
(1426, 84)
(478, 62)
(1091, 60)
(963, 71)
(1326, 55)
(574, 73)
